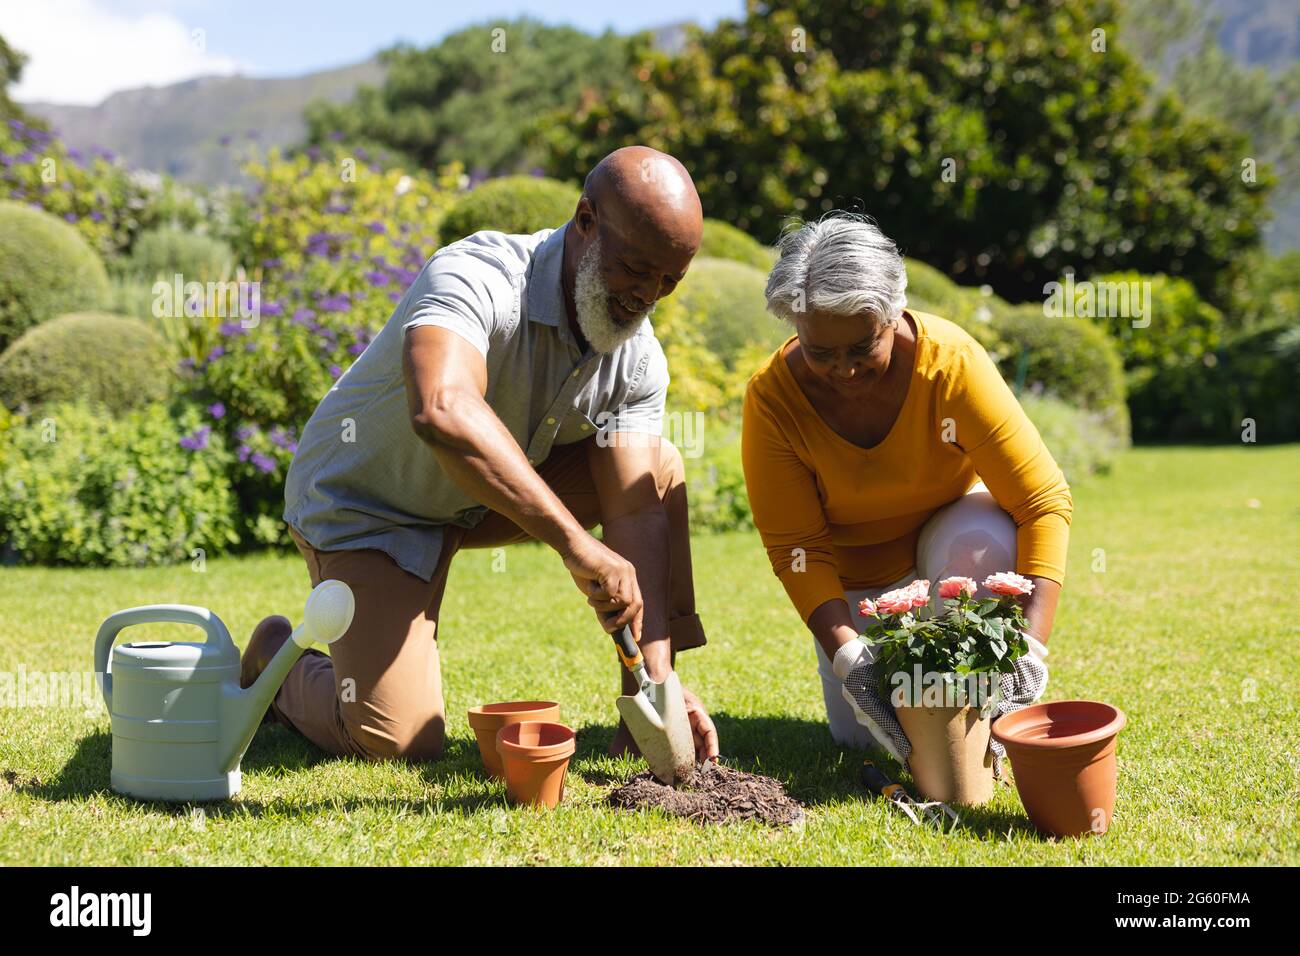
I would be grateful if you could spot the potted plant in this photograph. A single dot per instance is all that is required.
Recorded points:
(941, 673)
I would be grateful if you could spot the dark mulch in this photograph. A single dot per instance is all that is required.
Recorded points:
(716, 794)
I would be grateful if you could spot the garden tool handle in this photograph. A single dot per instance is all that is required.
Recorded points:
(876, 781)
(117, 622)
(628, 651)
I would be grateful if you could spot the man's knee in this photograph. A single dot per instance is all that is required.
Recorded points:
(412, 741)
(672, 469)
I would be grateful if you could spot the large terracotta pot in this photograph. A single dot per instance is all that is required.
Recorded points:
(1063, 757)
(487, 719)
(535, 755)
(950, 759)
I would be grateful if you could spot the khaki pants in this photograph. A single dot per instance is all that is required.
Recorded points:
(378, 694)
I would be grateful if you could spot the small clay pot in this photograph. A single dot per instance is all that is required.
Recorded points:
(487, 719)
(950, 759)
(1063, 755)
(535, 755)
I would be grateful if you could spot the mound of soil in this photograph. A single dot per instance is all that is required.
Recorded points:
(715, 794)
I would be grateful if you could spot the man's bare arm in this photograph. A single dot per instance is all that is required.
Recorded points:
(636, 526)
(446, 381)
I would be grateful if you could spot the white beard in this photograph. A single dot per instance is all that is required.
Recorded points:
(591, 297)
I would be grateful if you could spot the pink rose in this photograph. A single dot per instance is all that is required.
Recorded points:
(1008, 583)
(920, 592)
(866, 608)
(894, 602)
(951, 587)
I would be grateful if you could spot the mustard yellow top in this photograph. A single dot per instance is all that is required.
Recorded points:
(855, 512)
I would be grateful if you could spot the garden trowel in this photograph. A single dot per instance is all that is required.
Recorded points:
(656, 716)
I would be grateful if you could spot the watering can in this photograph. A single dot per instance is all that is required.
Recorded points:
(181, 722)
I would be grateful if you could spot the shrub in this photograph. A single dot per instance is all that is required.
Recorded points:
(725, 301)
(333, 255)
(108, 359)
(1267, 291)
(1252, 376)
(46, 269)
(513, 204)
(1182, 327)
(166, 251)
(716, 485)
(81, 486)
(929, 290)
(721, 240)
(1082, 442)
(108, 204)
(1069, 358)
(715, 331)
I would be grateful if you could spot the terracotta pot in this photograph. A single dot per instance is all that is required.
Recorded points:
(487, 719)
(1063, 755)
(535, 755)
(950, 759)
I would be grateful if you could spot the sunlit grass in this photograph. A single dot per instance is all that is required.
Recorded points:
(1190, 629)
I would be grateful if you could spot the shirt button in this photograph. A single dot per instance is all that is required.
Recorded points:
(532, 461)
(584, 426)
(576, 373)
(550, 421)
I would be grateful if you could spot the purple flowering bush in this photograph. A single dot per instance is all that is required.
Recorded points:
(80, 485)
(332, 245)
(93, 191)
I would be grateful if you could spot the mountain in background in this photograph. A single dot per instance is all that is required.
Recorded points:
(178, 129)
(1260, 32)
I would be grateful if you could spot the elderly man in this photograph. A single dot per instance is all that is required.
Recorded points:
(517, 392)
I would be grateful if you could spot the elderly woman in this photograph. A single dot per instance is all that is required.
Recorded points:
(881, 445)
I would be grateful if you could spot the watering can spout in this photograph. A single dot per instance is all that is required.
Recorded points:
(325, 619)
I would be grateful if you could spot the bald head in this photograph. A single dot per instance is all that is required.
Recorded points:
(636, 229)
(637, 189)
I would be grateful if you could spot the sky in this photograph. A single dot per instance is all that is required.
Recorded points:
(82, 50)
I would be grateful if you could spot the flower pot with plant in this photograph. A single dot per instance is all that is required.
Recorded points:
(942, 675)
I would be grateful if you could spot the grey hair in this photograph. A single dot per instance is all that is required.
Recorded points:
(841, 264)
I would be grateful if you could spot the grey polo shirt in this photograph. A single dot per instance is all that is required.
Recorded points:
(361, 478)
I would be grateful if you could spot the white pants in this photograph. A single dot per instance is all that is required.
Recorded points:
(971, 537)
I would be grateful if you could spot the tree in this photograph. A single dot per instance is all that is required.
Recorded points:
(1002, 142)
(11, 71)
(476, 96)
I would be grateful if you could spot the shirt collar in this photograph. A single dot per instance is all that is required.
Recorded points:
(545, 290)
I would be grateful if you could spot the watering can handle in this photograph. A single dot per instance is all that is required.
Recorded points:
(115, 623)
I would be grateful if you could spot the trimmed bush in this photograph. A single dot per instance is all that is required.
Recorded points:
(164, 252)
(46, 269)
(929, 290)
(1181, 326)
(513, 204)
(112, 360)
(1072, 359)
(724, 300)
(85, 487)
(1252, 376)
(721, 240)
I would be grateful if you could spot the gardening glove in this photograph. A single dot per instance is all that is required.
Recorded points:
(1017, 690)
(861, 678)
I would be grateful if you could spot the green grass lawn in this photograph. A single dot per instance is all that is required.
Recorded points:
(1190, 629)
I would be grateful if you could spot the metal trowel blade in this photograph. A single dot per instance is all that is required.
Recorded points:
(656, 718)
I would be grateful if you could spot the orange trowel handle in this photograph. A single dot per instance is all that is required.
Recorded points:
(628, 651)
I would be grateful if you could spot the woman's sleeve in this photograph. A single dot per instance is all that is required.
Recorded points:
(787, 511)
(1010, 457)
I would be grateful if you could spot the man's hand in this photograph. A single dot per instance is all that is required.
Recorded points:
(702, 729)
(609, 581)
